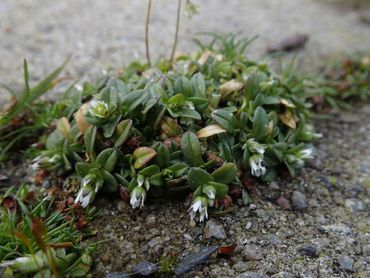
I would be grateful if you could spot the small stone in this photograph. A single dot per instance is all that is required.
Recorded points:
(250, 274)
(299, 201)
(283, 203)
(366, 250)
(308, 250)
(320, 243)
(252, 252)
(150, 221)
(339, 229)
(122, 206)
(188, 237)
(345, 263)
(355, 205)
(155, 241)
(193, 260)
(118, 275)
(252, 206)
(248, 225)
(240, 266)
(282, 274)
(145, 268)
(214, 229)
(105, 258)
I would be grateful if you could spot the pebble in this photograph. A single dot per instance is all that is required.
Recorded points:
(366, 250)
(283, 203)
(252, 252)
(214, 229)
(299, 201)
(248, 225)
(145, 268)
(282, 274)
(118, 275)
(345, 263)
(150, 221)
(250, 274)
(240, 266)
(339, 229)
(355, 205)
(308, 250)
(193, 260)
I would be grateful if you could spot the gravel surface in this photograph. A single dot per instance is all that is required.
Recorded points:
(109, 34)
(325, 234)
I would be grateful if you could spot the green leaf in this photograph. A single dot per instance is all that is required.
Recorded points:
(89, 139)
(135, 98)
(110, 184)
(198, 177)
(107, 159)
(156, 180)
(260, 122)
(221, 189)
(189, 113)
(225, 174)
(182, 85)
(163, 156)
(110, 127)
(82, 168)
(150, 171)
(199, 85)
(245, 197)
(190, 148)
(224, 117)
(122, 132)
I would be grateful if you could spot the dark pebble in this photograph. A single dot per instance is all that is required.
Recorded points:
(345, 263)
(145, 268)
(117, 275)
(299, 201)
(308, 250)
(193, 260)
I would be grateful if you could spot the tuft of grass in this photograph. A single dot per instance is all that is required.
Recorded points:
(37, 238)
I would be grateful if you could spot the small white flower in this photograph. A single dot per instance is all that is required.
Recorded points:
(255, 147)
(210, 191)
(255, 163)
(89, 187)
(85, 196)
(294, 161)
(55, 159)
(36, 163)
(199, 204)
(137, 197)
(306, 153)
(99, 108)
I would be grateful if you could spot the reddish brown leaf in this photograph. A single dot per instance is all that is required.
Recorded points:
(124, 194)
(24, 239)
(9, 203)
(39, 232)
(248, 183)
(227, 249)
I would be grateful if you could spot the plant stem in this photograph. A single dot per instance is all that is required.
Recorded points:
(147, 31)
(177, 31)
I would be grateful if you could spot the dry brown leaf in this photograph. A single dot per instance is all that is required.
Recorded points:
(64, 127)
(209, 131)
(230, 86)
(287, 103)
(288, 119)
(82, 124)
